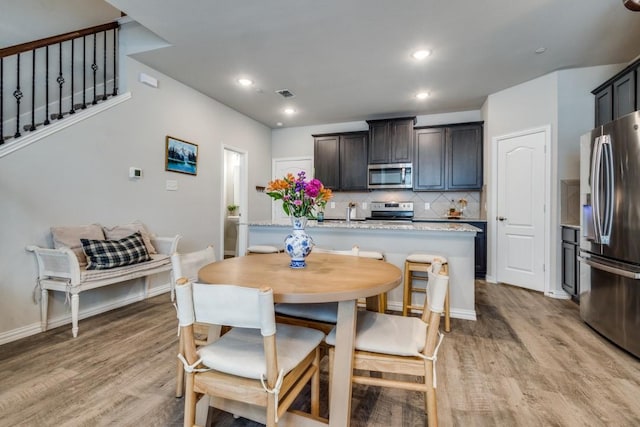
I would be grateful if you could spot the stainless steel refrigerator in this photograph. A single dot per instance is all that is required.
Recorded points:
(610, 231)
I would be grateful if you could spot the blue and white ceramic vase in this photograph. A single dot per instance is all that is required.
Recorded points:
(298, 244)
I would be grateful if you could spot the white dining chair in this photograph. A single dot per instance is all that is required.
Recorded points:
(256, 362)
(395, 344)
(187, 265)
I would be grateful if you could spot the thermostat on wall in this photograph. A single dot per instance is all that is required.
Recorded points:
(135, 173)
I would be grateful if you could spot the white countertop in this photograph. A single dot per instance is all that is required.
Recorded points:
(379, 225)
(574, 226)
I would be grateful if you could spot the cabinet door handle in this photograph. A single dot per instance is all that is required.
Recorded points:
(501, 218)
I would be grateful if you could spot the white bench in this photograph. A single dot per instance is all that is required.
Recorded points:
(60, 270)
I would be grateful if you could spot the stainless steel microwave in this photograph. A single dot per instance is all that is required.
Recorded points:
(395, 175)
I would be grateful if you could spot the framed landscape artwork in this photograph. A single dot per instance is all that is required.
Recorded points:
(181, 156)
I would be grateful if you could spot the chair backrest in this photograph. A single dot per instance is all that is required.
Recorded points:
(368, 254)
(436, 288)
(351, 252)
(229, 305)
(354, 251)
(187, 264)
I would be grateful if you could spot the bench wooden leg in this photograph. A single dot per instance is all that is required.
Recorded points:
(44, 308)
(75, 306)
(146, 287)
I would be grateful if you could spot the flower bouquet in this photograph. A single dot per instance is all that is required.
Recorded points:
(300, 197)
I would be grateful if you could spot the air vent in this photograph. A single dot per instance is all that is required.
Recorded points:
(286, 93)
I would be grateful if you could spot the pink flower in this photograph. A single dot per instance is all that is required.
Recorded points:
(297, 202)
(313, 188)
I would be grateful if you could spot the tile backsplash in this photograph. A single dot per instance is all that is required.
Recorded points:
(439, 203)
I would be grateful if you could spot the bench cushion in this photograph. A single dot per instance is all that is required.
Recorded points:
(70, 237)
(105, 254)
(124, 230)
(157, 260)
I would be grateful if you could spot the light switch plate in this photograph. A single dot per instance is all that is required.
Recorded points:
(427, 206)
(364, 205)
(172, 185)
(332, 205)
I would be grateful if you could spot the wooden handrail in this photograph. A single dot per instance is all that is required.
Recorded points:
(29, 46)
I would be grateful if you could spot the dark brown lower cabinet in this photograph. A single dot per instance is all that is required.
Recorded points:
(570, 271)
(480, 249)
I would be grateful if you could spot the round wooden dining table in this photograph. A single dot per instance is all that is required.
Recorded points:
(326, 278)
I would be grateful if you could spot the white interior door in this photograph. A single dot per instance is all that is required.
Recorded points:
(280, 168)
(520, 219)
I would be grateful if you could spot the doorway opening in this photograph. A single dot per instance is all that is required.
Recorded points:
(234, 199)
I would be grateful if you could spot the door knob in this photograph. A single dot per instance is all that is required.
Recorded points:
(501, 218)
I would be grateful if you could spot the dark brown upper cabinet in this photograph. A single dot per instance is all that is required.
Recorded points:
(624, 94)
(429, 164)
(448, 158)
(391, 140)
(340, 160)
(618, 96)
(604, 105)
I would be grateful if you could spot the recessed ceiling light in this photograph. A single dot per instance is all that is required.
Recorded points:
(279, 124)
(540, 50)
(289, 111)
(422, 95)
(420, 54)
(245, 82)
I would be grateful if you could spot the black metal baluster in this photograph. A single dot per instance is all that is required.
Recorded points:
(84, 72)
(60, 81)
(33, 91)
(94, 67)
(1, 100)
(72, 111)
(104, 65)
(17, 94)
(46, 87)
(115, 69)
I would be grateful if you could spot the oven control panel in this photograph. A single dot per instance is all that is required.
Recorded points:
(392, 206)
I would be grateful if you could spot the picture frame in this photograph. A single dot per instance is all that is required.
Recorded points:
(181, 156)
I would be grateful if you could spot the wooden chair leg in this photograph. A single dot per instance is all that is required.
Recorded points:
(447, 314)
(431, 404)
(189, 403)
(315, 386)
(271, 410)
(331, 356)
(180, 370)
(406, 300)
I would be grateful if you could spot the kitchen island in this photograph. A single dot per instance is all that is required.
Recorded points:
(396, 240)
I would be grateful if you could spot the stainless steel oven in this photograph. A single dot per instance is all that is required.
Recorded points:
(396, 175)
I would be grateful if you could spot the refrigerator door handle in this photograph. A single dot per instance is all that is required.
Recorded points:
(610, 269)
(596, 163)
(607, 157)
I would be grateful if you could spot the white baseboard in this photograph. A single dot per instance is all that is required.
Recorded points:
(16, 334)
(558, 294)
(34, 328)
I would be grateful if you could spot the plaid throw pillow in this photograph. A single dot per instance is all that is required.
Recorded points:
(104, 254)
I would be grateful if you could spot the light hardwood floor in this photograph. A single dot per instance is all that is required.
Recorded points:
(527, 361)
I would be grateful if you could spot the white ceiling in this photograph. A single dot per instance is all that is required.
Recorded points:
(348, 60)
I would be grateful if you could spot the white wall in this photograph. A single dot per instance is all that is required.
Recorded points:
(80, 176)
(562, 100)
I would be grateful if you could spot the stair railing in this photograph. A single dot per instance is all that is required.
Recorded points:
(56, 57)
